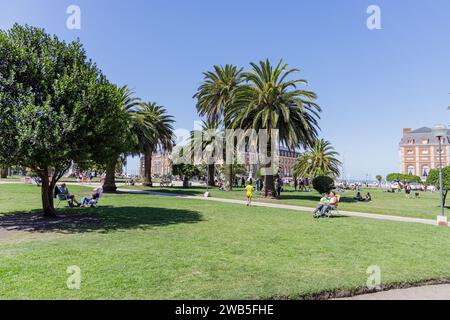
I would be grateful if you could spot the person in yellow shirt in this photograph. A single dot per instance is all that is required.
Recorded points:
(249, 192)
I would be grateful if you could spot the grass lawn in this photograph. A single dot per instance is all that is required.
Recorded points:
(153, 247)
(383, 203)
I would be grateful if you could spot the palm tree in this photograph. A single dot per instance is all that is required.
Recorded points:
(270, 101)
(206, 141)
(215, 95)
(161, 135)
(319, 160)
(130, 105)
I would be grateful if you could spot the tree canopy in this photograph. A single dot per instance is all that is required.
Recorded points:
(404, 178)
(56, 106)
(433, 179)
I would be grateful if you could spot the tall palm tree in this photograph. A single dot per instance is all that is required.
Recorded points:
(215, 95)
(206, 141)
(268, 100)
(130, 105)
(319, 160)
(160, 136)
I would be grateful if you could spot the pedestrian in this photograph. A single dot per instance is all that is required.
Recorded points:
(249, 193)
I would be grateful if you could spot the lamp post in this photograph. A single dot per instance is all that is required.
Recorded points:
(440, 131)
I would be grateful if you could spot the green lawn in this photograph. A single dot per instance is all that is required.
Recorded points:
(153, 247)
(383, 203)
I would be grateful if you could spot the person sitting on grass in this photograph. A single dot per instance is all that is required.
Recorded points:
(358, 197)
(70, 197)
(323, 202)
(368, 197)
(249, 193)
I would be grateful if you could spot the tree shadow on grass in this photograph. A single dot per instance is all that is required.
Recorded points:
(311, 197)
(102, 219)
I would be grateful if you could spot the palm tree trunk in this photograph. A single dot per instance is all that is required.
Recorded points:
(229, 174)
(269, 185)
(148, 169)
(211, 175)
(110, 180)
(3, 173)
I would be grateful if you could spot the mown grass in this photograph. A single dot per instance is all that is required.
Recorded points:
(153, 247)
(427, 206)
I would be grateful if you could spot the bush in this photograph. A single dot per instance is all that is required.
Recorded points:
(323, 184)
(404, 178)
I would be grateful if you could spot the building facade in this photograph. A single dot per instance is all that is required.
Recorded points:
(419, 152)
(161, 165)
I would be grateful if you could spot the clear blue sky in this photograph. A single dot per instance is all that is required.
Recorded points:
(370, 84)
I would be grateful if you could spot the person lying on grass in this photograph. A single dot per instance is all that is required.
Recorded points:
(249, 192)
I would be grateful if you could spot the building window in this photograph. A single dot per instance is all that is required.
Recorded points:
(426, 141)
(411, 170)
(410, 151)
(425, 151)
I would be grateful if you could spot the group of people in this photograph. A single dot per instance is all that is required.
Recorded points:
(301, 184)
(71, 199)
(360, 198)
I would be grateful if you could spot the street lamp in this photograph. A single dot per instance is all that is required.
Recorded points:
(440, 131)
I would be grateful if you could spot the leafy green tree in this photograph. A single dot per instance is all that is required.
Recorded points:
(270, 101)
(403, 178)
(160, 135)
(214, 97)
(433, 179)
(323, 184)
(186, 172)
(379, 179)
(56, 107)
(319, 160)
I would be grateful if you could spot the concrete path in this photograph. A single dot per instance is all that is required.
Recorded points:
(289, 207)
(432, 292)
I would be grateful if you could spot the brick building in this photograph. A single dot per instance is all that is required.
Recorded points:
(160, 164)
(419, 152)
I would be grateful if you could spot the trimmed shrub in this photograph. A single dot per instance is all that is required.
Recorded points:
(323, 184)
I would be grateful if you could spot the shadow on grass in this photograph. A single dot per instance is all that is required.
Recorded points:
(102, 219)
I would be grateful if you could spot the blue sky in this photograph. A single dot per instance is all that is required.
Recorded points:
(370, 83)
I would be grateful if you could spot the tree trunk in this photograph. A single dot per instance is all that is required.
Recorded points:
(211, 175)
(148, 169)
(269, 191)
(47, 196)
(229, 176)
(445, 196)
(110, 180)
(185, 182)
(269, 187)
(3, 173)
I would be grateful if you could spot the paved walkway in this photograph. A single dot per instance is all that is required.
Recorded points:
(289, 207)
(432, 292)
